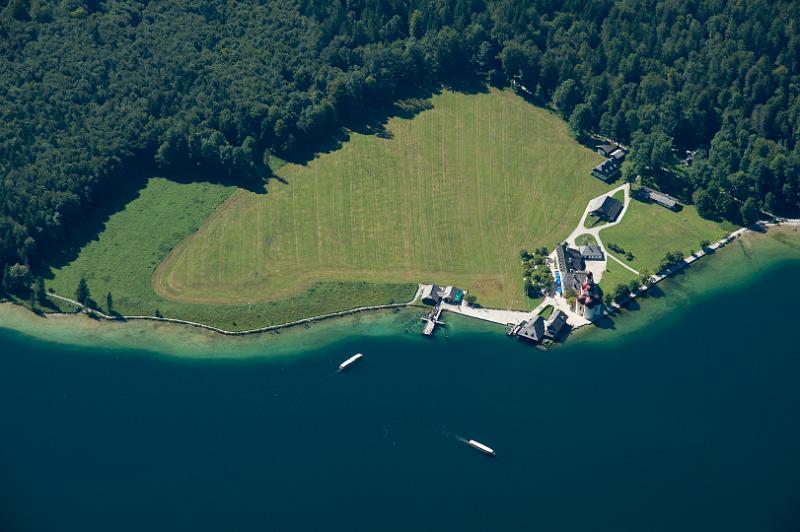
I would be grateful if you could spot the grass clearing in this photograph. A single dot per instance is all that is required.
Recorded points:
(448, 196)
(613, 275)
(133, 242)
(649, 231)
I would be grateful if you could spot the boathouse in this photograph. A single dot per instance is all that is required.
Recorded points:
(532, 330)
(431, 294)
(452, 295)
(557, 325)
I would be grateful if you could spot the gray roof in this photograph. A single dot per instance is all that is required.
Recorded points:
(606, 170)
(450, 291)
(618, 154)
(592, 250)
(572, 280)
(608, 209)
(432, 292)
(557, 324)
(660, 197)
(607, 149)
(533, 329)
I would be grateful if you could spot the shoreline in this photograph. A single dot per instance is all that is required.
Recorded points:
(206, 341)
(258, 330)
(761, 228)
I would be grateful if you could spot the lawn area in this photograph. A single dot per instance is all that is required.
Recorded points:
(585, 240)
(649, 231)
(449, 196)
(614, 275)
(133, 242)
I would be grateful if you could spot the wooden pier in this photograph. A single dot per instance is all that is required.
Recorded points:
(432, 320)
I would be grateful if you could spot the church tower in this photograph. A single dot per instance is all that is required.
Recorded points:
(589, 302)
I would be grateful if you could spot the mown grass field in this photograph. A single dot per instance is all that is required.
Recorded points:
(132, 242)
(649, 231)
(614, 275)
(448, 196)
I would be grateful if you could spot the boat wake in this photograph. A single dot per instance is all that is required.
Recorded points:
(328, 376)
(450, 434)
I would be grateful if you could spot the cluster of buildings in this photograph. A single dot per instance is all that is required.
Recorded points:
(609, 170)
(434, 294)
(573, 278)
(588, 303)
(539, 330)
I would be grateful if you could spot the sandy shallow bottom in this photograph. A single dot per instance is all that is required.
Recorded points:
(734, 264)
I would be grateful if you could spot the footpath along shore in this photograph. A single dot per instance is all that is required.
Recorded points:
(708, 250)
(500, 316)
(268, 328)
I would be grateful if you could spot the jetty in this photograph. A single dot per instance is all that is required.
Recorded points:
(432, 320)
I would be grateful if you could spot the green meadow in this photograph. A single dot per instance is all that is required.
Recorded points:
(448, 196)
(649, 231)
(133, 241)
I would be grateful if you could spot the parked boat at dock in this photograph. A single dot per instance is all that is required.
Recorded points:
(350, 361)
(481, 447)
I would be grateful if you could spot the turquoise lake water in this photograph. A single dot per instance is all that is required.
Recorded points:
(682, 415)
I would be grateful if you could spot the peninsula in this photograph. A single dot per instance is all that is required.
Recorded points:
(543, 165)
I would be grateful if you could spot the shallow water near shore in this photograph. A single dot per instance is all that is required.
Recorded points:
(680, 415)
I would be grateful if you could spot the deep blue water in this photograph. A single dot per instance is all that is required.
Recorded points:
(690, 423)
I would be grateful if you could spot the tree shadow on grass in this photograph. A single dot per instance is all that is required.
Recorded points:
(128, 184)
(114, 196)
(373, 119)
(370, 120)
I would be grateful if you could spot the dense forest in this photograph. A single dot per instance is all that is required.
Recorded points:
(90, 86)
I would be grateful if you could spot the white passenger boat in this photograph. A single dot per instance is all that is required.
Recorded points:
(481, 447)
(350, 361)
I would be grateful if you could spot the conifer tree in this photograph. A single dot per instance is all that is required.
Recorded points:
(38, 290)
(82, 293)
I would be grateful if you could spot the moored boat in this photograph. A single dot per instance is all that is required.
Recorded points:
(350, 361)
(481, 447)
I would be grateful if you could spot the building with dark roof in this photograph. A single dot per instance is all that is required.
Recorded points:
(617, 155)
(592, 252)
(606, 208)
(556, 326)
(532, 330)
(570, 262)
(665, 200)
(606, 149)
(453, 295)
(607, 171)
(431, 294)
